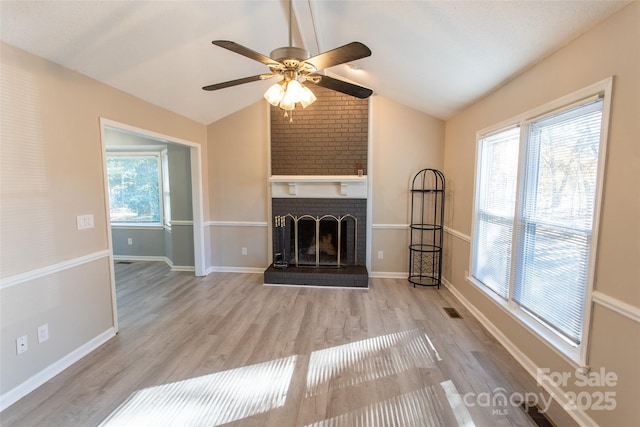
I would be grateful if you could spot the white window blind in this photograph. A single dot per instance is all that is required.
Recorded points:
(555, 222)
(536, 199)
(495, 206)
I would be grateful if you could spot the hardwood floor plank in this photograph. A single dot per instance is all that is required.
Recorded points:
(385, 356)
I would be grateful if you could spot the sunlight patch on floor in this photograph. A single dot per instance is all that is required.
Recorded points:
(239, 393)
(420, 408)
(369, 359)
(209, 400)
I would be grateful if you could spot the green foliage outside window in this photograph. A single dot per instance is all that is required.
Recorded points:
(134, 189)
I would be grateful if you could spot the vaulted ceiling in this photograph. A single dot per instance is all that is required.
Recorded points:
(434, 56)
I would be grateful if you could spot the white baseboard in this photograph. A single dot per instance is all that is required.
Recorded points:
(223, 269)
(141, 258)
(155, 259)
(389, 274)
(183, 268)
(12, 396)
(581, 417)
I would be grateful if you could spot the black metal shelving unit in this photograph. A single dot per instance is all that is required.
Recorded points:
(426, 228)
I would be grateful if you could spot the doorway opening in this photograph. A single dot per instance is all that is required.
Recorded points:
(174, 230)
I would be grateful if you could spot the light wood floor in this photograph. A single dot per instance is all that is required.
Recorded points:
(228, 350)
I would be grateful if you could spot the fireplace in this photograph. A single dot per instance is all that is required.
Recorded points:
(315, 241)
(319, 232)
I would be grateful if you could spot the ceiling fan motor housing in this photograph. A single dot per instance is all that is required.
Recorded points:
(290, 56)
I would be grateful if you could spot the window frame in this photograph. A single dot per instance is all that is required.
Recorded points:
(161, 166)
(576, 354)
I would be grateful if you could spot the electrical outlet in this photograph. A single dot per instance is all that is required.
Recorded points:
(129, 241)
(380, 254)
(43, 333)
(244, 251)
(22, 344)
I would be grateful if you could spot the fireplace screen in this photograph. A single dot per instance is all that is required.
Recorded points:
(316, 241)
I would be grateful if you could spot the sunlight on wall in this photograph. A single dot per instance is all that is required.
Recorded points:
(25, 210)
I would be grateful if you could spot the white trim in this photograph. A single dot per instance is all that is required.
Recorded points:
(181, 222)
(319, 186)
(267, 132)
(107, 212)
(389, 274)
(318, 178)
(145, 132)
(51, 269)
(390, 226)
(225, 269)
(197, 201)
(627, 310)
(545, 334)
(370, 178)
(606, 86)
(183, 268)
(601, 86)
(136, 148)
(138, 226)
(448, 230)
(236, 224)
(457, 234)
(580, 416)
(149, 258)
(12, 396)
(164, 259)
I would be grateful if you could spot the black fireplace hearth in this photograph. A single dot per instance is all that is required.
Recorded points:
(318, 242)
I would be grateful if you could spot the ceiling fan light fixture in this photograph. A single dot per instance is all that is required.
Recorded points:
(293, 92)
(285, 94)
(274, 94)
(307, 97)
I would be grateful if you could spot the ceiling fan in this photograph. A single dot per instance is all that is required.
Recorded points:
(296, 66)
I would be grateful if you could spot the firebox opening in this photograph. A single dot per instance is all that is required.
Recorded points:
(323, 249)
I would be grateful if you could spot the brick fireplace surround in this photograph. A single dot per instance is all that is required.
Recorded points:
(314, 164)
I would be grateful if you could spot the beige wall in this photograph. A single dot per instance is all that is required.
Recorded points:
(403, 142)
(52, 171)
(238, 161)
(610, 49)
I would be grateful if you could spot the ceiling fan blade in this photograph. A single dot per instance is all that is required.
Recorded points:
(239, 81)
(340, 86)
(244, 51)
(339, 55)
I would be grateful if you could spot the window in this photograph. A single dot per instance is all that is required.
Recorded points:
(135, 188)
(535, 217)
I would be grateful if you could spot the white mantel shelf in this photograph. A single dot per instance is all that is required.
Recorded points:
(319, 186)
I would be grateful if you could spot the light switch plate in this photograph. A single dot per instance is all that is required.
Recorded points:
(84, 221)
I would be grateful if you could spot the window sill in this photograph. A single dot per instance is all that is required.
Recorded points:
(568, 351)
(142, 226)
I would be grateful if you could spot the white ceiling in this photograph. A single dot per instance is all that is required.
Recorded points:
(434, 56)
